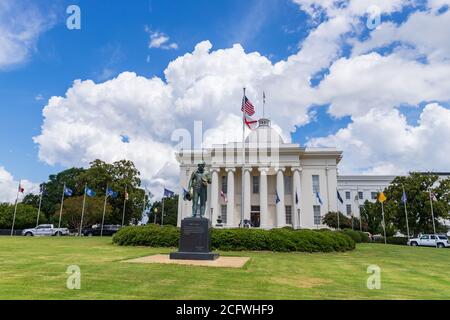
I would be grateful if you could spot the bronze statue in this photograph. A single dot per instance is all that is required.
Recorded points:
(198, 189)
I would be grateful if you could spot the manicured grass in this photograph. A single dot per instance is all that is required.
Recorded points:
(35, 268)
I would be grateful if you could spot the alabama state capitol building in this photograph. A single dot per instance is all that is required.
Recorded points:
(284, 184)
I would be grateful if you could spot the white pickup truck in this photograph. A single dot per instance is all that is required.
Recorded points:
(45, 230)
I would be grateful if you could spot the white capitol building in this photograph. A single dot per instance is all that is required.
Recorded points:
(284, 184)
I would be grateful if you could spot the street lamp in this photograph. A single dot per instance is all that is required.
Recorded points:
(155, 211)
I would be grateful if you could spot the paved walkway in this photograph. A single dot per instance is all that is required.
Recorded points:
(221, 262)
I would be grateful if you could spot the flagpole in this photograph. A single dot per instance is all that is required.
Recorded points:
(40, 203)
(143, 205)
(104, 210)
(359, 209)
(432, 216)
(243, 160)
(124, 205)
(62, 204)
(384, 222)
(82, 211)
(15, 209)
(406, 211)
(264, 105)
(162, 212)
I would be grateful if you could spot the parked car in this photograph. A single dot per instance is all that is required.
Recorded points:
(430, 240)
(45, 230)
(95, 230)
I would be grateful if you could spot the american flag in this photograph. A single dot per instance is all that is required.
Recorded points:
(248, 107)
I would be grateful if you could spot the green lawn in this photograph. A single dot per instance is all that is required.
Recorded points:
(35, 268)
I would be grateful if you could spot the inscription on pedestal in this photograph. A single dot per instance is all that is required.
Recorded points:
(195, 240)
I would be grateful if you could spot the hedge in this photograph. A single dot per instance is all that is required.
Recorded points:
(283, 240)
(357, 236)
(392, 240)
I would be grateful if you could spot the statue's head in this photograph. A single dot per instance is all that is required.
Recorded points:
(201, 166)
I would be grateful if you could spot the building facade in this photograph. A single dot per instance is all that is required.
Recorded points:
(276, 184)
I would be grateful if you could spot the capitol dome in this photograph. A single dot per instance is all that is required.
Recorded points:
(264, 134)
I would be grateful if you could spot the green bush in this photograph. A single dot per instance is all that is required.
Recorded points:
(355, 235)
(364, 237)
(283, 240)
(150, 235)
(392, 240)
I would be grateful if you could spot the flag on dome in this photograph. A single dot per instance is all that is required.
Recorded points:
(251, 123)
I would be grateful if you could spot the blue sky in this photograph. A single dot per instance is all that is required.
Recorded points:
(380, 83)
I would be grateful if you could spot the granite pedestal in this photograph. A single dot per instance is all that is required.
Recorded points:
(195, 241)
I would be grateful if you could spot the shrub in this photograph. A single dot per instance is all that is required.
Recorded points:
(355, 235)
(392, 240)
(150, 235)
(283, 240)
(364, 237)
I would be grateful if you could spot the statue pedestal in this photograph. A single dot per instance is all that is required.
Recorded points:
(195, 241)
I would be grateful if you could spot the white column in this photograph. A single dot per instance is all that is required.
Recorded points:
(263, 194)
(247, 194)
(214, 195)
(297, 191)
(230, 196)
(281, 211)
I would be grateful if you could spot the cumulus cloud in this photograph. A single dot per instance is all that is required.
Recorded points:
(382, 141)
(159, 40)
(157, 115)
(9, 186)
(21, 24)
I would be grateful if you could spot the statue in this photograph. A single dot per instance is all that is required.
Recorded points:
(198, 189)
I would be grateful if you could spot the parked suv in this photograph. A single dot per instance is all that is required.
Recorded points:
(430, 240)
(95, 230)
(45, 230)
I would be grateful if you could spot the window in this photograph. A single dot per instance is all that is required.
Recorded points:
(288, 184)
(255, 184)
(433, 237)
(347, 195)
(317, 217)
(360, 195)
(315, 182)
(224, 214)
(288, 214)
(349, 209)
(424, 238)
(224, 184)
(374, 195)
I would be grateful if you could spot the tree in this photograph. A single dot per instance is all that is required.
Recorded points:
(330, 219)
(118, 176)
(26, 216)
(417, 187)
(170, 211)
(93, 213)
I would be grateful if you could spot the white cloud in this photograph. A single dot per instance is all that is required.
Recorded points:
(21, 24)
(9, 187)
(382, 141)
(160, 40)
